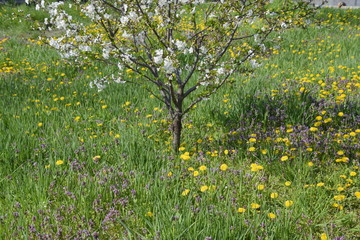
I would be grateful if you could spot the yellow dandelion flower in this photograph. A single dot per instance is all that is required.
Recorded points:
(340, 152)
(223, 167)
(320, 184)
(255, 167)
(317, 124)
(353, 174)
(149, 214)
(190, 169)
(185, 156)
(185, 192)
(104, 106)
(271, 215)
(252, 140)
(252, 149)
(288, 203)
(40, 124)
(181, 148)
(313, 129)
(357, 194)
(339, 197)
(327, 120)
(287, 183)
(255, 206)
(241, 210)
(169, 174)
(226, 152)
(204, 188)
(264, 151)
(340, 114)
(202, 168)
(310, 164)
(274, 195)
(261, 187)
(323, 236)
(59, 162)
(196, 173)
(284, 158)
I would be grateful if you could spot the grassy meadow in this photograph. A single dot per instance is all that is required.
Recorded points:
(274, 155)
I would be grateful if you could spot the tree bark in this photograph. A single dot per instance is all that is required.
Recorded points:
(177, 127)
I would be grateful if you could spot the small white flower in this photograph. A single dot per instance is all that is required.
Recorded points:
(221, 71)
(133, 16)
(85, 48)
(254, 64)
(106, 53)
(180, 45)
(256, 38)
(126, 35)
(124, 20)
(168, 65)
(203, 49)
(158, 59)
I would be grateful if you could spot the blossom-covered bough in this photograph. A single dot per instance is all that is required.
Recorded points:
(183, 51)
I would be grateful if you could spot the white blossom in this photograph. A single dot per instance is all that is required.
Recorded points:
(107, 16)
(158, 58)
(85, 48)
(106, 52)
(220, 71)
(124, 20)
(180, 45)
(254, 63)
(168, 65)
(133, 16)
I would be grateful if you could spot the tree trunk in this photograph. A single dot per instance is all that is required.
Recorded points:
(176, 128)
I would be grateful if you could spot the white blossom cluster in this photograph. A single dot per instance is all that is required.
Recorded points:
(150, 38)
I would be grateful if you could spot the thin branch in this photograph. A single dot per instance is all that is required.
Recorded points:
(148, 21)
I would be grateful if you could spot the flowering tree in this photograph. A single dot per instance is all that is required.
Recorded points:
(182, 50)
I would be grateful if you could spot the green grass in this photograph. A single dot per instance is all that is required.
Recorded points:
(134, 189)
